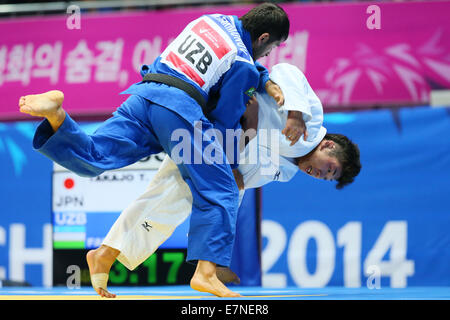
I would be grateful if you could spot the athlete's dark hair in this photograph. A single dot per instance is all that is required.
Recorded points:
(266, 17)
(348, 155)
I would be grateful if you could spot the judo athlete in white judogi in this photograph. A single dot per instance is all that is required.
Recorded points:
(268, 157)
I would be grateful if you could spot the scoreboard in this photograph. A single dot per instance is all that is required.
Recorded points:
(83, 211)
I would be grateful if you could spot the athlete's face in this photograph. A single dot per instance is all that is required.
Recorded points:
(262, 47)
(320, 164)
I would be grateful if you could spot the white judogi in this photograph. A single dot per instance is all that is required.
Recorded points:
(167, 202)
(275, 155)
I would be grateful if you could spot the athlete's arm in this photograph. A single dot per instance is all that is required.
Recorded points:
(268, 85)
(295, 127)
(235, 91)
(275, 92)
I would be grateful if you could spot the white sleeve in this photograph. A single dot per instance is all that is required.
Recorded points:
(241, 197)
(256, 165)
(268, 167)
(299, 96)
(294, 86)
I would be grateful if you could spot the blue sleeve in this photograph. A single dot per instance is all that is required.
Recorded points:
(263, 77)
(65, 146)
(235, 86)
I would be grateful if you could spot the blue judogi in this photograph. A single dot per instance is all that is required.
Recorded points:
(144, 124)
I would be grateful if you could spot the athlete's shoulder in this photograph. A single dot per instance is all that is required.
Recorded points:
(249, 69)
(231, 25)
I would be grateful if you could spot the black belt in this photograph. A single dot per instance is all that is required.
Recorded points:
(182, 85)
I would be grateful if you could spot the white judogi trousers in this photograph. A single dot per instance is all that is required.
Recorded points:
(152, 218)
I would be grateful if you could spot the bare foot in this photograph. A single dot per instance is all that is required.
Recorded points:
(227, 276)
(100, 261)
(47, 105)
(205, 280)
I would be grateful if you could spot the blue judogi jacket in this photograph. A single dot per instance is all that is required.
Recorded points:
(235, 85)
(239, 76)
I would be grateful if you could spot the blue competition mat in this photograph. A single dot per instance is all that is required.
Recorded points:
(249, 293)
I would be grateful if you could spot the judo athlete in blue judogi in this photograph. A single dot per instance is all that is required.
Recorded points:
(201, 81)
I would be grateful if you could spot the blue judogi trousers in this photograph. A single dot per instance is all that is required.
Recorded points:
(137, 129)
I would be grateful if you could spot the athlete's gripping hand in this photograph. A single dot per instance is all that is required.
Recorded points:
(275, 92)
(295, 127)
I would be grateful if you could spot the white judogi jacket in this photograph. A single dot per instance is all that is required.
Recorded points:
(167, 202)
(274, 153)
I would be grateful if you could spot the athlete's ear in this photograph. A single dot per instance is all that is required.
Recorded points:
(326, 144)
(263, 38)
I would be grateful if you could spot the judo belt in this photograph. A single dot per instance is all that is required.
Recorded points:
(182, 85)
